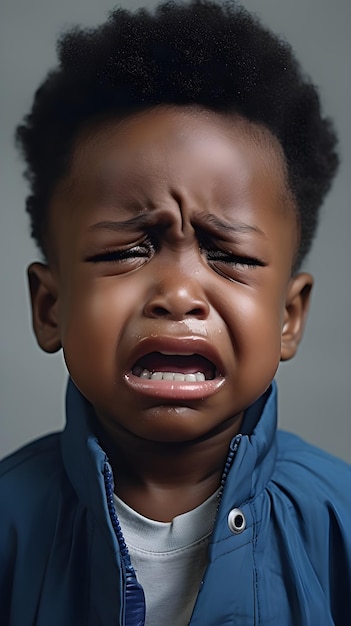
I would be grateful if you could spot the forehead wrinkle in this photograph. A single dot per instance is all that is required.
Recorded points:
(117, 193)
(158, 217)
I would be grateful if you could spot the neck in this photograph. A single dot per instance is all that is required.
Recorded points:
(163, 480)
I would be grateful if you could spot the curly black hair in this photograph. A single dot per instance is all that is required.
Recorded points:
(203, 53)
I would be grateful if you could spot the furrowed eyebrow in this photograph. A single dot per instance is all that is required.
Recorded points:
(221, 227)
(140, 221)
(207, 221)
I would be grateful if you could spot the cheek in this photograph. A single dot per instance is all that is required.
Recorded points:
(93, 320)
(255, 324)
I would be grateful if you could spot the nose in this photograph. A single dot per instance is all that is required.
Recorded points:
(177, 297)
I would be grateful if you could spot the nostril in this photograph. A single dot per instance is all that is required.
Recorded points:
(176, 303)
(159, 311)
(197, 312)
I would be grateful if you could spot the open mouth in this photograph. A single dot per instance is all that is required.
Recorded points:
(175, 369)
(192, 368)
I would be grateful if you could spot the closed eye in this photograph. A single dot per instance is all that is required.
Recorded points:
(120, 255)
(235, 260)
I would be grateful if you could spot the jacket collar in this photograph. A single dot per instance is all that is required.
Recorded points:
(255, 457)
(84, 459)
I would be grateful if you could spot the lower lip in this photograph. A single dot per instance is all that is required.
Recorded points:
(174, 390)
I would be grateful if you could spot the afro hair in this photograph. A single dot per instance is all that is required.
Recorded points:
(216, 56)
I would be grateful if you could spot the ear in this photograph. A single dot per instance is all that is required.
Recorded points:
(44, 300)
(295, 314)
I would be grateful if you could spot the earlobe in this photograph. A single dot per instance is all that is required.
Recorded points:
(295, 315)
(44, 300)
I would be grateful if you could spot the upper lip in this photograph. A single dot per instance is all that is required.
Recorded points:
(178, 346)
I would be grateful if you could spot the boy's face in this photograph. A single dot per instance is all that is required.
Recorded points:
(172, 242)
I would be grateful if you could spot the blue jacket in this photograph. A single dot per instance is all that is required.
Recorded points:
(284, 559)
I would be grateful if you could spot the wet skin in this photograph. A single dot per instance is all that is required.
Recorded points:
(173, 232)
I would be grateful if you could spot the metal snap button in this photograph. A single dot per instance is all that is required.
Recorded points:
(236, 521)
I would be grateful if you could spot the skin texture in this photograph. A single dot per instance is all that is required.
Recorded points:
(171, 280)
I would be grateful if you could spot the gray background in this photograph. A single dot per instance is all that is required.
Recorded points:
(315, 387)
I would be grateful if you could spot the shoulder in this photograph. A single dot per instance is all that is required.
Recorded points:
(43, 451)
(311, 497)
(299, 460)
(37, 513)
(315, 482)
(28, 475)
(34, 492)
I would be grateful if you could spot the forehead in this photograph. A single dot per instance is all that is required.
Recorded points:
(180, 145)
(170, 157)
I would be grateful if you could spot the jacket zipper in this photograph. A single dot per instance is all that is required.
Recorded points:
(134, 599)
(233, 448)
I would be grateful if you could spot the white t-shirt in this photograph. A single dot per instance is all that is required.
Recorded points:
(169, 559)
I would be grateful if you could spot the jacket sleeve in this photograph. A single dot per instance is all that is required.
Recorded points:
(318, 486)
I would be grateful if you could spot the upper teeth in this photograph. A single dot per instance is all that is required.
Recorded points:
(179, 376)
